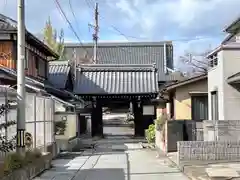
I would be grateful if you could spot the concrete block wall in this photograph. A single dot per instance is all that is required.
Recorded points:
(203, 152)
(222, 130)
(228, 130)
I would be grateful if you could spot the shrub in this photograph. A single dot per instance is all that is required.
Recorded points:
(60, 127)
(150, 133)
(12, 162)
(160, 124)
(15, 161)
(32, 156)
(160, 121)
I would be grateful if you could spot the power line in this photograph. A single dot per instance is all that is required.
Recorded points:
(69, 23)
(139, 38)
(74, 16)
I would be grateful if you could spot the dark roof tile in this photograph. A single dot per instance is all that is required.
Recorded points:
(116, 79)
(126, 53)
(58, 73)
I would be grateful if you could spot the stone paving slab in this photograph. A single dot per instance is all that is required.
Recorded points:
(221, 172)
(198, 172)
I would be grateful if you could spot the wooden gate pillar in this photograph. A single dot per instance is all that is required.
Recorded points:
(138, 118)
(97, 120)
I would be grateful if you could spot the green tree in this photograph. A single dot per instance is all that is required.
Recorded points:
(53, 39)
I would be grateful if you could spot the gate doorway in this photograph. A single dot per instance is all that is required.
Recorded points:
(116, 86)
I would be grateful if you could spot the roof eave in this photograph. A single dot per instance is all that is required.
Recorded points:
(233, 27)
(185, 82)
(49, 51)
(119, 44)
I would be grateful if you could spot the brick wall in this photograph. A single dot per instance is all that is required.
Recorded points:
(203, 152)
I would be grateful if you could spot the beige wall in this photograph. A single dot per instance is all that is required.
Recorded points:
(71, 125)
(182, 100)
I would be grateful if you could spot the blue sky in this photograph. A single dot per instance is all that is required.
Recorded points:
(193, 25)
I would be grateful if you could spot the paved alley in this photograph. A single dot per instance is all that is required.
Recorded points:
(116, 157)
(113, 160)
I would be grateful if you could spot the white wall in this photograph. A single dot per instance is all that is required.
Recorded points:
(59, 107)
(71, 124)
(215, 83)
(228, 96)
(231, 64)
(39, 119)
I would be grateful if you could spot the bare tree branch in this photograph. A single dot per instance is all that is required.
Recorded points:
(196, 63)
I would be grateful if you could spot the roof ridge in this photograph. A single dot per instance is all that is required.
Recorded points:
(118, 65)
(58, 62)
(128, 43)
(9, 20)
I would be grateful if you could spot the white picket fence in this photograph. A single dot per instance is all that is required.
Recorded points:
(39, 118)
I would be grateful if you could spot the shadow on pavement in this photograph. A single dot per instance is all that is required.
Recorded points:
(100, 174)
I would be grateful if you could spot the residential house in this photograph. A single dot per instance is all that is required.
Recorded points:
(186, 99)
(147, 53)
(49, 81)
(37, 53)
(224, 76)
(38, 68)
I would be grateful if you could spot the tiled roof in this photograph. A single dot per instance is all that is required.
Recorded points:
(126, 53)
(186, 81)
(116, 79)
(58, 73)
(32, 83)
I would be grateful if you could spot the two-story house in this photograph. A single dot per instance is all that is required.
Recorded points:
(37, 53)
(41, 74)
(224, 76)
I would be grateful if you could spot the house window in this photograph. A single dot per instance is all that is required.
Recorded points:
(214, 105)
(26, 58)
(42, 67)
(213, 61)
(200, 107)
(46, 69)
(36, 62)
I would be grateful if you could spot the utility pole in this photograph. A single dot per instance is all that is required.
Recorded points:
(95, 34)
(75, 64)
(21, 77)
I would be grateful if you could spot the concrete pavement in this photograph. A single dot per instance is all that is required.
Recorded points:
(114, 161)
(117, 157)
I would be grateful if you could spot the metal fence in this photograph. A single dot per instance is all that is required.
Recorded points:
(183, 130)
(39, 119)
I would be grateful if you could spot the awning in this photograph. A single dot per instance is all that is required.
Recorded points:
(45, 88)
(116, 80)
(234, 79)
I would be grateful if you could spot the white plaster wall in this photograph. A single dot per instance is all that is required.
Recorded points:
(231, 65)
(215, 83)
(59, 107)
(228, 96)
(71, 125)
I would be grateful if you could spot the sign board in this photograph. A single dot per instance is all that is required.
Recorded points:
(148, 110)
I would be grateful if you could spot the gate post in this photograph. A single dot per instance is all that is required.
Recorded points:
(138, 118)
(97, 120)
